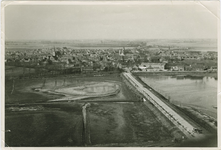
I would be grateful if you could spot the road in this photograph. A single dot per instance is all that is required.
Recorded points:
(174, 117)
(86, 133)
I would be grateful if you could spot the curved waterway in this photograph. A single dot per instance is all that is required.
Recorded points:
(198, 93)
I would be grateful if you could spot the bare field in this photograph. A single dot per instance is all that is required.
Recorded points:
(119, 124)
(63, 88)
(115, 120)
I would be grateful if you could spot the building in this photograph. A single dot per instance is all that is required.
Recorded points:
(152, 67)
(175, 67)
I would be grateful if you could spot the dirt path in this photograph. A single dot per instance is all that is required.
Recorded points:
(86, 125)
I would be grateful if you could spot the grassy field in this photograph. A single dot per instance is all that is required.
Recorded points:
(52, 126)
(120, 124)
(24, 88)
(16, 71)
(43, 123)
(21, 95)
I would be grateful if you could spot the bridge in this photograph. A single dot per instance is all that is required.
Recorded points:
(173, 116)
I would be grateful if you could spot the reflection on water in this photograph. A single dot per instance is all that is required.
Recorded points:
(201, 93)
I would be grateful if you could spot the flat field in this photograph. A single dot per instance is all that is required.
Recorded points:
(31, 119)
(126, 124)
(43, 125)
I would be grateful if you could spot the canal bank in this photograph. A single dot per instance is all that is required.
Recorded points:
(185, 127)
(193, 74)
(189, 112)
(189, 128)
(198, 93)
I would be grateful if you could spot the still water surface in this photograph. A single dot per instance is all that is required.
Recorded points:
(198, 93)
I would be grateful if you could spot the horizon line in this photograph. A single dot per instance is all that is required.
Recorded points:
(112, 39)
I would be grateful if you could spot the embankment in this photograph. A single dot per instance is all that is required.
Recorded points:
(190, 74)
(196, 117)
(161, 116)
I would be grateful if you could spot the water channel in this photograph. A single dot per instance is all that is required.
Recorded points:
(197, 93)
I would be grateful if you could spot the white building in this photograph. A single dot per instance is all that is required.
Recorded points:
(152, 66)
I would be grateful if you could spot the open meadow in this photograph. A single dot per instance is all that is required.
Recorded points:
(116, 117)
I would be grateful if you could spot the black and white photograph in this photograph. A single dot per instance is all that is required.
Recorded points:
(110, 74)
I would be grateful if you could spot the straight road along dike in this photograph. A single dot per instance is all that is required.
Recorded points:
(174, 117)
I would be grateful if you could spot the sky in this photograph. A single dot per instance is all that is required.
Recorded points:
(125, 21)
